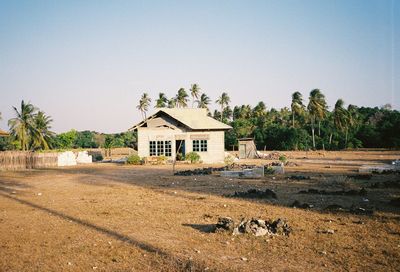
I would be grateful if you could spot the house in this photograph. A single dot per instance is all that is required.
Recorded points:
(174, 131)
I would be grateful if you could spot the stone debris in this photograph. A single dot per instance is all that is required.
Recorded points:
(256, 227)
(361, 192)
(361, 176)
(299, 177)
(354, 210)
(298, 204)
(256, 193)
(380, 169)
(200, 171)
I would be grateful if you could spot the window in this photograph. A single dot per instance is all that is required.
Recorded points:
(168, 148)
(200, 146)
(160, 148)
(153, 148)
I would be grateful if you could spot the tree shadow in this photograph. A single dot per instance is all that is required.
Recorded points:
(182, 265)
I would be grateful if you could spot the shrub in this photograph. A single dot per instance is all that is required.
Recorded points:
(193, 157)
(283, 158)
(134, 159)
(229, 160)
(97, 157)
(161, 159)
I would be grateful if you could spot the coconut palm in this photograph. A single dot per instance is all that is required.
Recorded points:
(172, 103)
(144, 104)
(259, 110)
(23, 125)
(41, 134)
(341, 117)
(162, 101)
(317, 108)
(181, 98)
(203, 102)
(297, 105)
(223, 101)
(195, 93)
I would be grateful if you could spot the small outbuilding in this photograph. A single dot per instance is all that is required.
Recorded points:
(174, 131)
(247, 148)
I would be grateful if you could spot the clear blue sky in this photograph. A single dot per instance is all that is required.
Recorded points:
(86, 63)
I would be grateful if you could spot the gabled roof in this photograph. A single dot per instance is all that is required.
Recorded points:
(4, 133)
(196, 119)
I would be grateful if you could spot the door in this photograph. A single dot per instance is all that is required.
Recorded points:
(242, 151)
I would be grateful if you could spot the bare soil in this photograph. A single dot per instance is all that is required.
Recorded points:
(108, 217)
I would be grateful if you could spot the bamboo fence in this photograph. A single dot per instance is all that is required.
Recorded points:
(19, 160)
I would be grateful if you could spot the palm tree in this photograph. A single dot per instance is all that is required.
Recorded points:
(195, 93)
(181, 98)
(23, 124)
(297, 105)
(162, 101)
(341, 117)
(172, 103)
(41, 134)
(203, 102)
(144, 104)
(223, 101)
(317, 108)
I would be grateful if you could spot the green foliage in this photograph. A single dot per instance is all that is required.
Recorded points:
(193, 157)
(97, 157)
(134, 159)
(66, 140)
(282, 158)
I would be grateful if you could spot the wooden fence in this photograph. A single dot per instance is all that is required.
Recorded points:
(19, 160)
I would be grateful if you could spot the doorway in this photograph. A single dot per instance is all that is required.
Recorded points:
(180, 150)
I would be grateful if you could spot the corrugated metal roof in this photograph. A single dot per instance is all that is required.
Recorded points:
(194, 118)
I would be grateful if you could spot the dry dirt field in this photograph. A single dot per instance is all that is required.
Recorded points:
(107, 217)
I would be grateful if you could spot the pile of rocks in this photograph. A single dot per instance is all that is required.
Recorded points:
(199, 171)
(361, 192)
(256, 227)
(256, 193)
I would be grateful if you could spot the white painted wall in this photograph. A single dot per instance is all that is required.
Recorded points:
(215, 151)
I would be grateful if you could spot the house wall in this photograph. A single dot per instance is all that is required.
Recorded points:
(215, 141)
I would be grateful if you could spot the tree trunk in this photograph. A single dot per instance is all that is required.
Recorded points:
(313, 135)
(330, 139)
(293, 119)
(319, 128)
(345, 141)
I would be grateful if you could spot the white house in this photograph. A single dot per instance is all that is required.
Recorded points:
(182, 130)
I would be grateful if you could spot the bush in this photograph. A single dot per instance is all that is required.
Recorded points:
(97, 157)
(193, 157)
(161, 159)
(229, 160)
(282, 158)
(134, 159)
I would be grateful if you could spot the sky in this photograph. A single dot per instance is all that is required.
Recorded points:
(86, 63)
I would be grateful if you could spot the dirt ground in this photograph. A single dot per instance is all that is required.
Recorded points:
(108, 217)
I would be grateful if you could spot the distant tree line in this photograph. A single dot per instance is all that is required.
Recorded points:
(303, 126)
(30, 129)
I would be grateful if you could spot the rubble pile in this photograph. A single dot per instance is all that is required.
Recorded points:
(256, 193)
(199, 171)
(354, 210)
(254, 226)
(361, 192)
(298, 204)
